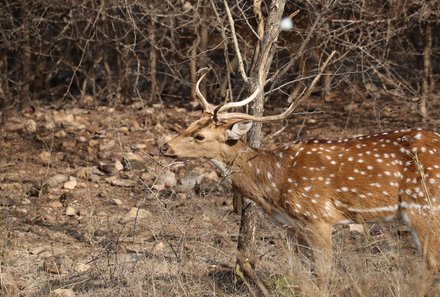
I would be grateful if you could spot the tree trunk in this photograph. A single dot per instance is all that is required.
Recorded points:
(427, 71)
(268, 31)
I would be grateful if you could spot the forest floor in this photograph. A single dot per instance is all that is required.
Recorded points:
(88, 208)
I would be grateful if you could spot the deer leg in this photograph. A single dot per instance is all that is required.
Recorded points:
(319, 239)
(425, 226)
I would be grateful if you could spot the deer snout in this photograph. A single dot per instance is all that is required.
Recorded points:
(164, 149)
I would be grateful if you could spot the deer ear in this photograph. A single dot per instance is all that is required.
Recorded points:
(238, 130)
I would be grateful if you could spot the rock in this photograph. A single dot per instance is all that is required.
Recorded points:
(140, 146)
(57, 179)
(159, 247)
(48, 219)
(45, 157)
(168, 178)
(212, 175)
(85, 172)
(30, 126)
(94, 178)
(71, 184)
(38, 250)
(357, 228)
(70, 211)
(22, 210)
(62, 293)
(55, 204)
(118, 165)
(86, 100)
(61, 117)
(123, 129)
(7, 202)
(158, 186)
(147, 177)
(122, 182)
(61, 134)
(93, 127)
(66, 197)
(111, 168)
(106, 146)
(133, 161)
(25, 201)
(189, 181)
(82, 267)
(49, 124)
(135, 214)
(116, 201)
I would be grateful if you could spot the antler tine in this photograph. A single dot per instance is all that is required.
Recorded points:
(245, 116)
(207, 107)
(241, 102)
(304, 95)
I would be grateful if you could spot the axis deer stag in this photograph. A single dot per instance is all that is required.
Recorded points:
(316, 184)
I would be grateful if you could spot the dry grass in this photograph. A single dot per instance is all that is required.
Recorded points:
(183, 248)
(195, 260)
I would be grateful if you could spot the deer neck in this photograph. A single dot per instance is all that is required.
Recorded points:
(257, 174)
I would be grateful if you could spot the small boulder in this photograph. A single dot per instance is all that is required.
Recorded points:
(135, 213)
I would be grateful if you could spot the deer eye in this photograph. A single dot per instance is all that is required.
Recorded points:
(199, 137)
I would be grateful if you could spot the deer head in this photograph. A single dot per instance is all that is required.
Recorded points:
(217, 134)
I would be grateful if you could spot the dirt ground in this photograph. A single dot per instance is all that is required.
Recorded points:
(88, 208)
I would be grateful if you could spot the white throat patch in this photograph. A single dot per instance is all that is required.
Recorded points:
(222, 166)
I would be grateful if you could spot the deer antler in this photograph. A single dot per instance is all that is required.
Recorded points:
(207, 107)
(285, 114)
(210, 108)
(239, 103)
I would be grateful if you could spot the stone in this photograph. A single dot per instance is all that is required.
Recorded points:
(70, 211)
(45, 157)
(94, 178)
(82, 267)
(26, 201)
(30, 126)
(168, 178)
(61, 134)
(57, 179)
(116, 201)
(62, 293)
(357, 228)
(85, 172)
(189, 181)
(38, 250)
(135, 213)
(55, 204)
(122, 182)
(108, 145)
(133, 161)
(71, 184)
(7, 202)
(118, 165)
(61, 117)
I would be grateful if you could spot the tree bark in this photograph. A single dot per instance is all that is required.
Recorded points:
(268, 30)
(427, 71)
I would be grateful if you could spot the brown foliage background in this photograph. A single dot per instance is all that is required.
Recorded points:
(120, 51)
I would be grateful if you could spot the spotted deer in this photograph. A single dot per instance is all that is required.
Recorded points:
(313, 185)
